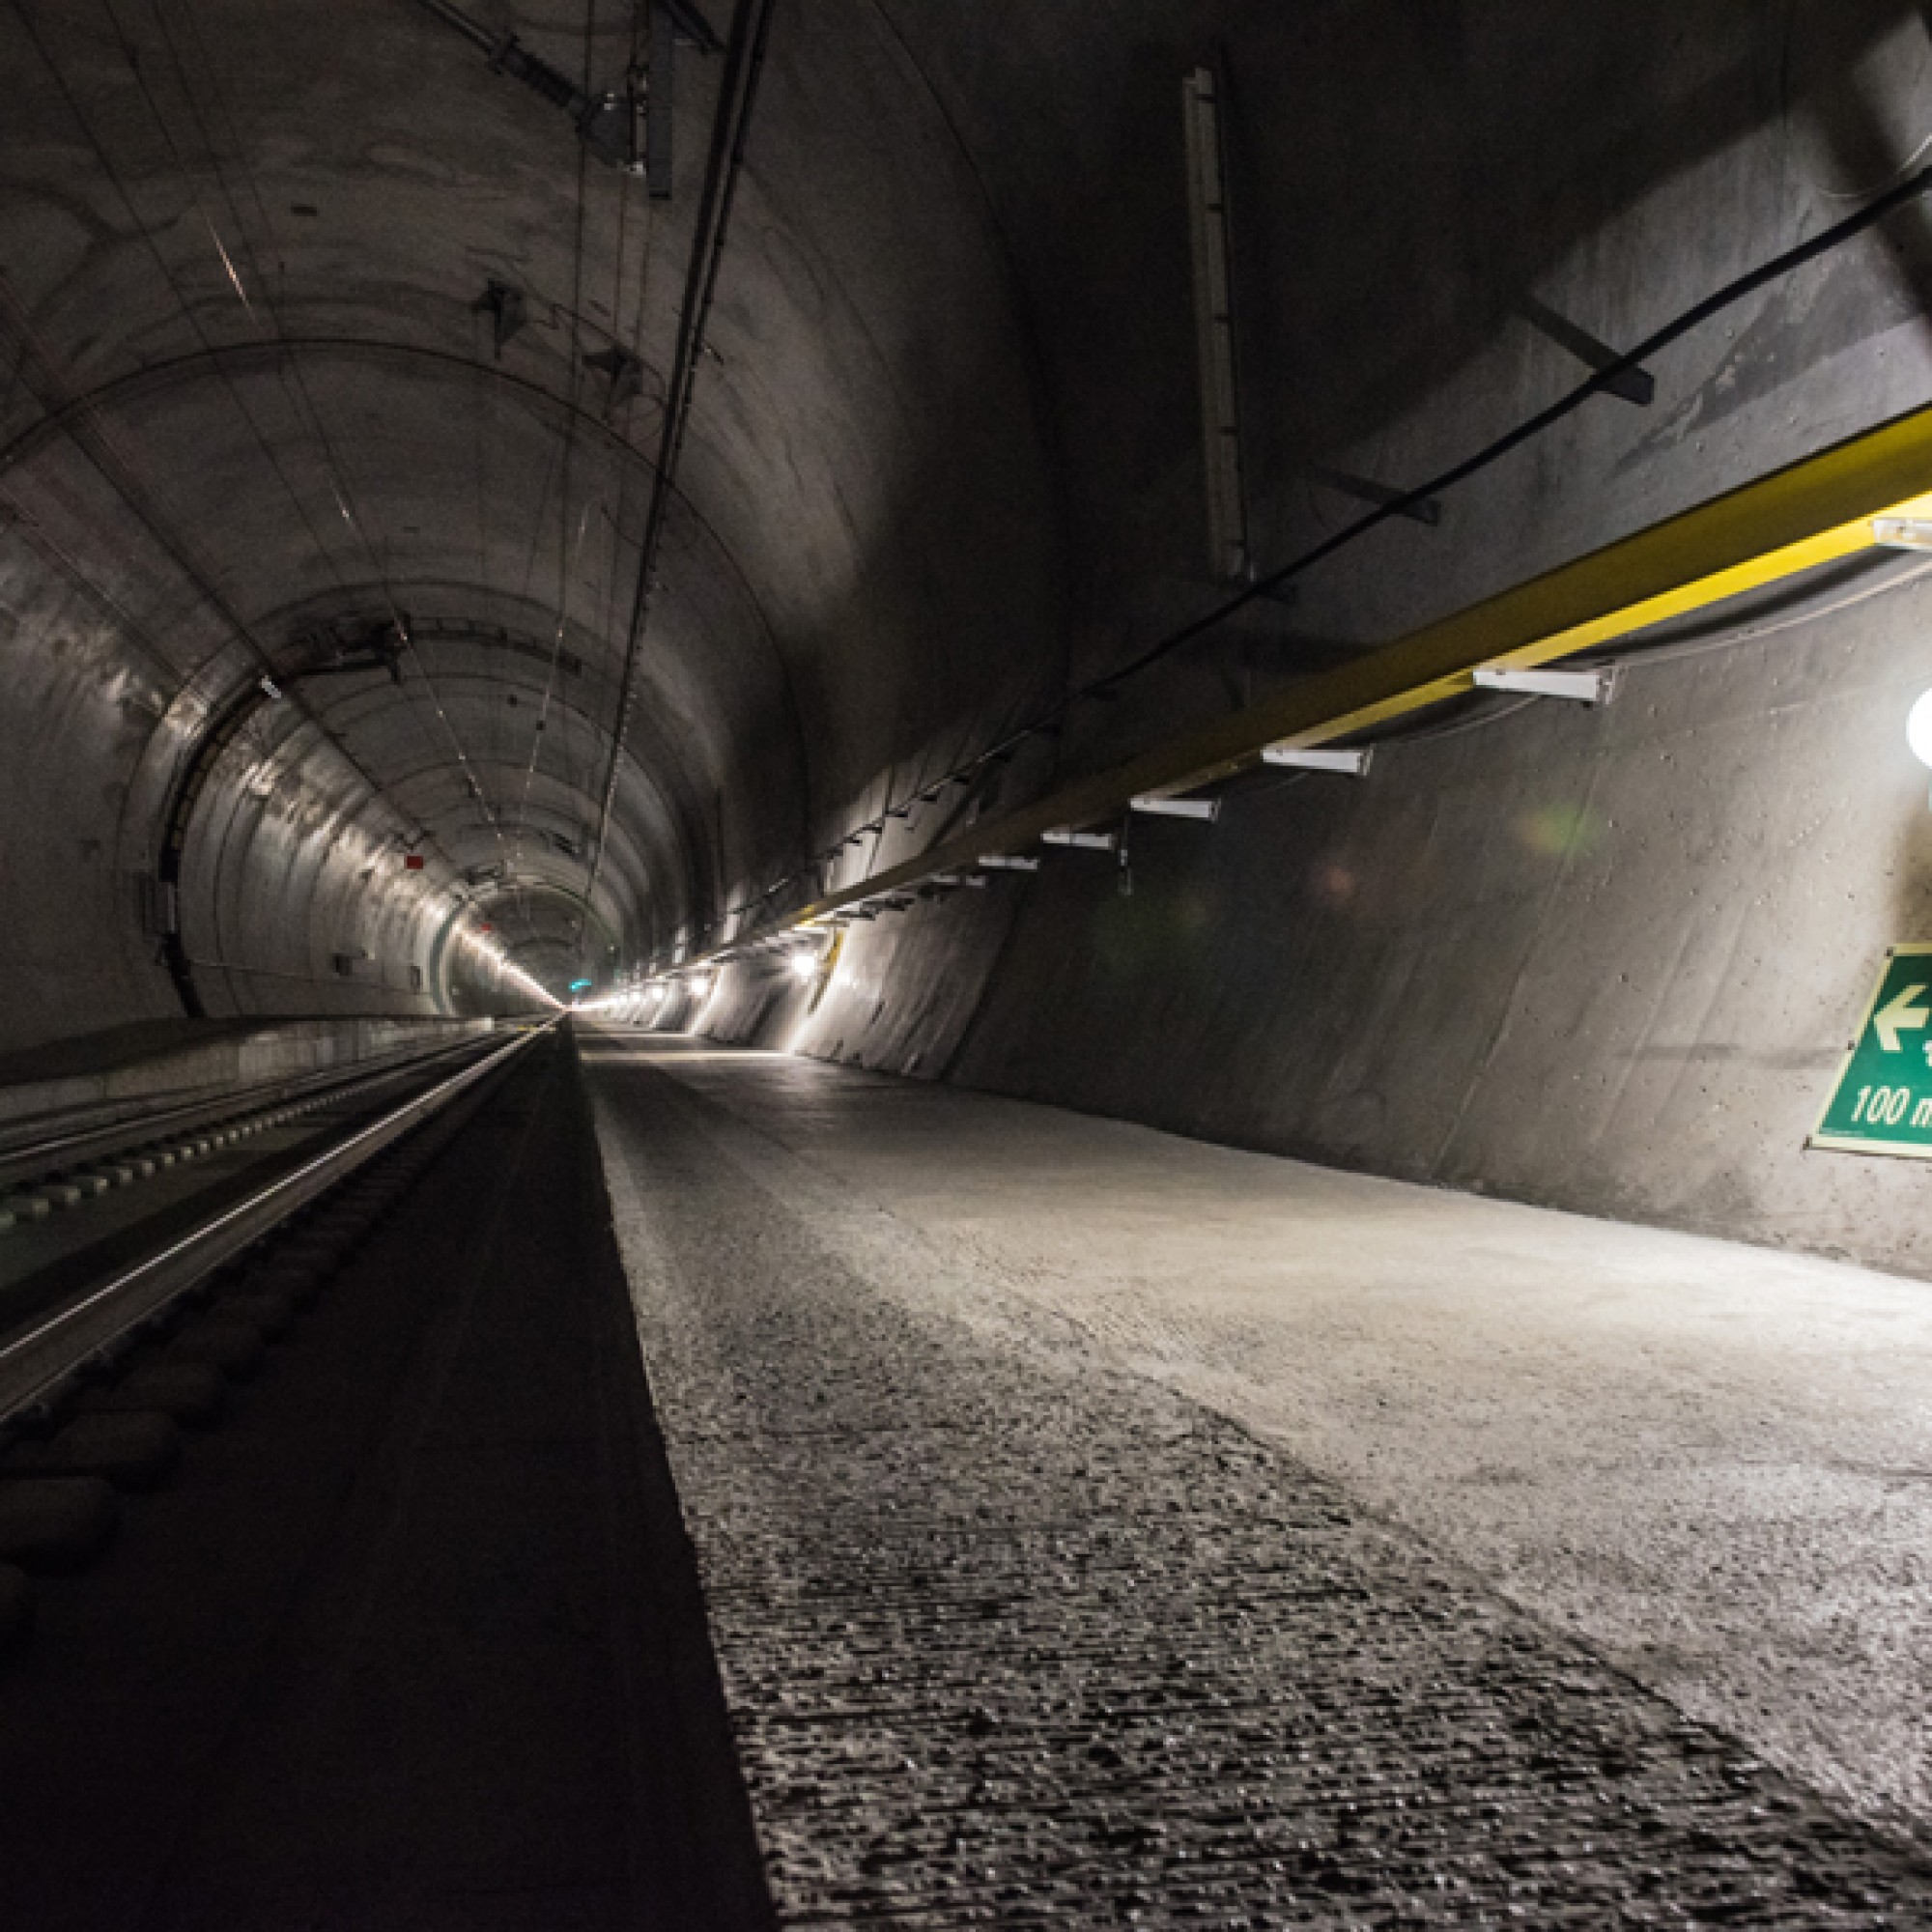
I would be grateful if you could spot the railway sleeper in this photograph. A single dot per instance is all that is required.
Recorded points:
(53, 1526)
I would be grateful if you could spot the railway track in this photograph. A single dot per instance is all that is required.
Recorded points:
(147, 1264)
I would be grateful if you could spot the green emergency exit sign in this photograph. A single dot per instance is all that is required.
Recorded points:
(1882, 1102)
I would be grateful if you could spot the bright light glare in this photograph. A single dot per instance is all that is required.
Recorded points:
(494, 960)
(1919, 728)
(805, 965)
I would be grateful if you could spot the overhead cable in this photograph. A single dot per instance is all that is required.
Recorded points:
(743, 66)
(1602, 380)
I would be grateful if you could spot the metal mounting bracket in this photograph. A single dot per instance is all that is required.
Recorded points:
(625, 371)
(507, 306)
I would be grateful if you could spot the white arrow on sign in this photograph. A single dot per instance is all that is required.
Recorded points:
(1899, 1014)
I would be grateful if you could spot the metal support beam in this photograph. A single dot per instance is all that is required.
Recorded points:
(1427, 510)
(1580, 687)
(1637, 387)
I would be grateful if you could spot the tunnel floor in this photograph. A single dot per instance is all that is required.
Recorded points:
(413, 1640)
(1098, 1527)
(1011, 1519)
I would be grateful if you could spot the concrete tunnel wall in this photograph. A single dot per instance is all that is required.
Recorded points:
(1602, 960)
(859, 551)
(944, 461)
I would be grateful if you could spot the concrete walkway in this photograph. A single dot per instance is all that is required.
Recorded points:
(1712, 1465)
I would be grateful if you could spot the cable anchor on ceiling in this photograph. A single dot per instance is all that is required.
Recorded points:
(627, 378)
(507, 309)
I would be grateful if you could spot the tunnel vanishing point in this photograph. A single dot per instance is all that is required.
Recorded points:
(965, 965)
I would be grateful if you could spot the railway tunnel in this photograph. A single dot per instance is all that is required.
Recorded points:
(965, 966)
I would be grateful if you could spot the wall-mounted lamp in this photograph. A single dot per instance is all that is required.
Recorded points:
(1158, 806)
(1580, 687)
(1919, 728)
(1901, 533)
(1353, 763)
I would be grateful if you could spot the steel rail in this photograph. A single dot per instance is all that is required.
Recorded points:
(44, 1353)
(28, 1161)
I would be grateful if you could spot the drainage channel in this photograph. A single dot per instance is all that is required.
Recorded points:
(97, 1390)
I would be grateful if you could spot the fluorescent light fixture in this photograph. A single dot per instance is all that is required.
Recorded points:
(1084, 841)
(1902, 534)
(1581, 687)
(1206, 810)
(995, 862)
(1354, 764)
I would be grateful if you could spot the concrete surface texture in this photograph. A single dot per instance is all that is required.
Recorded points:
(1703, 1463)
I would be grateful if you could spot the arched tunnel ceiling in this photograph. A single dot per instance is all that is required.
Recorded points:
(943, 452)
(264, 409)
